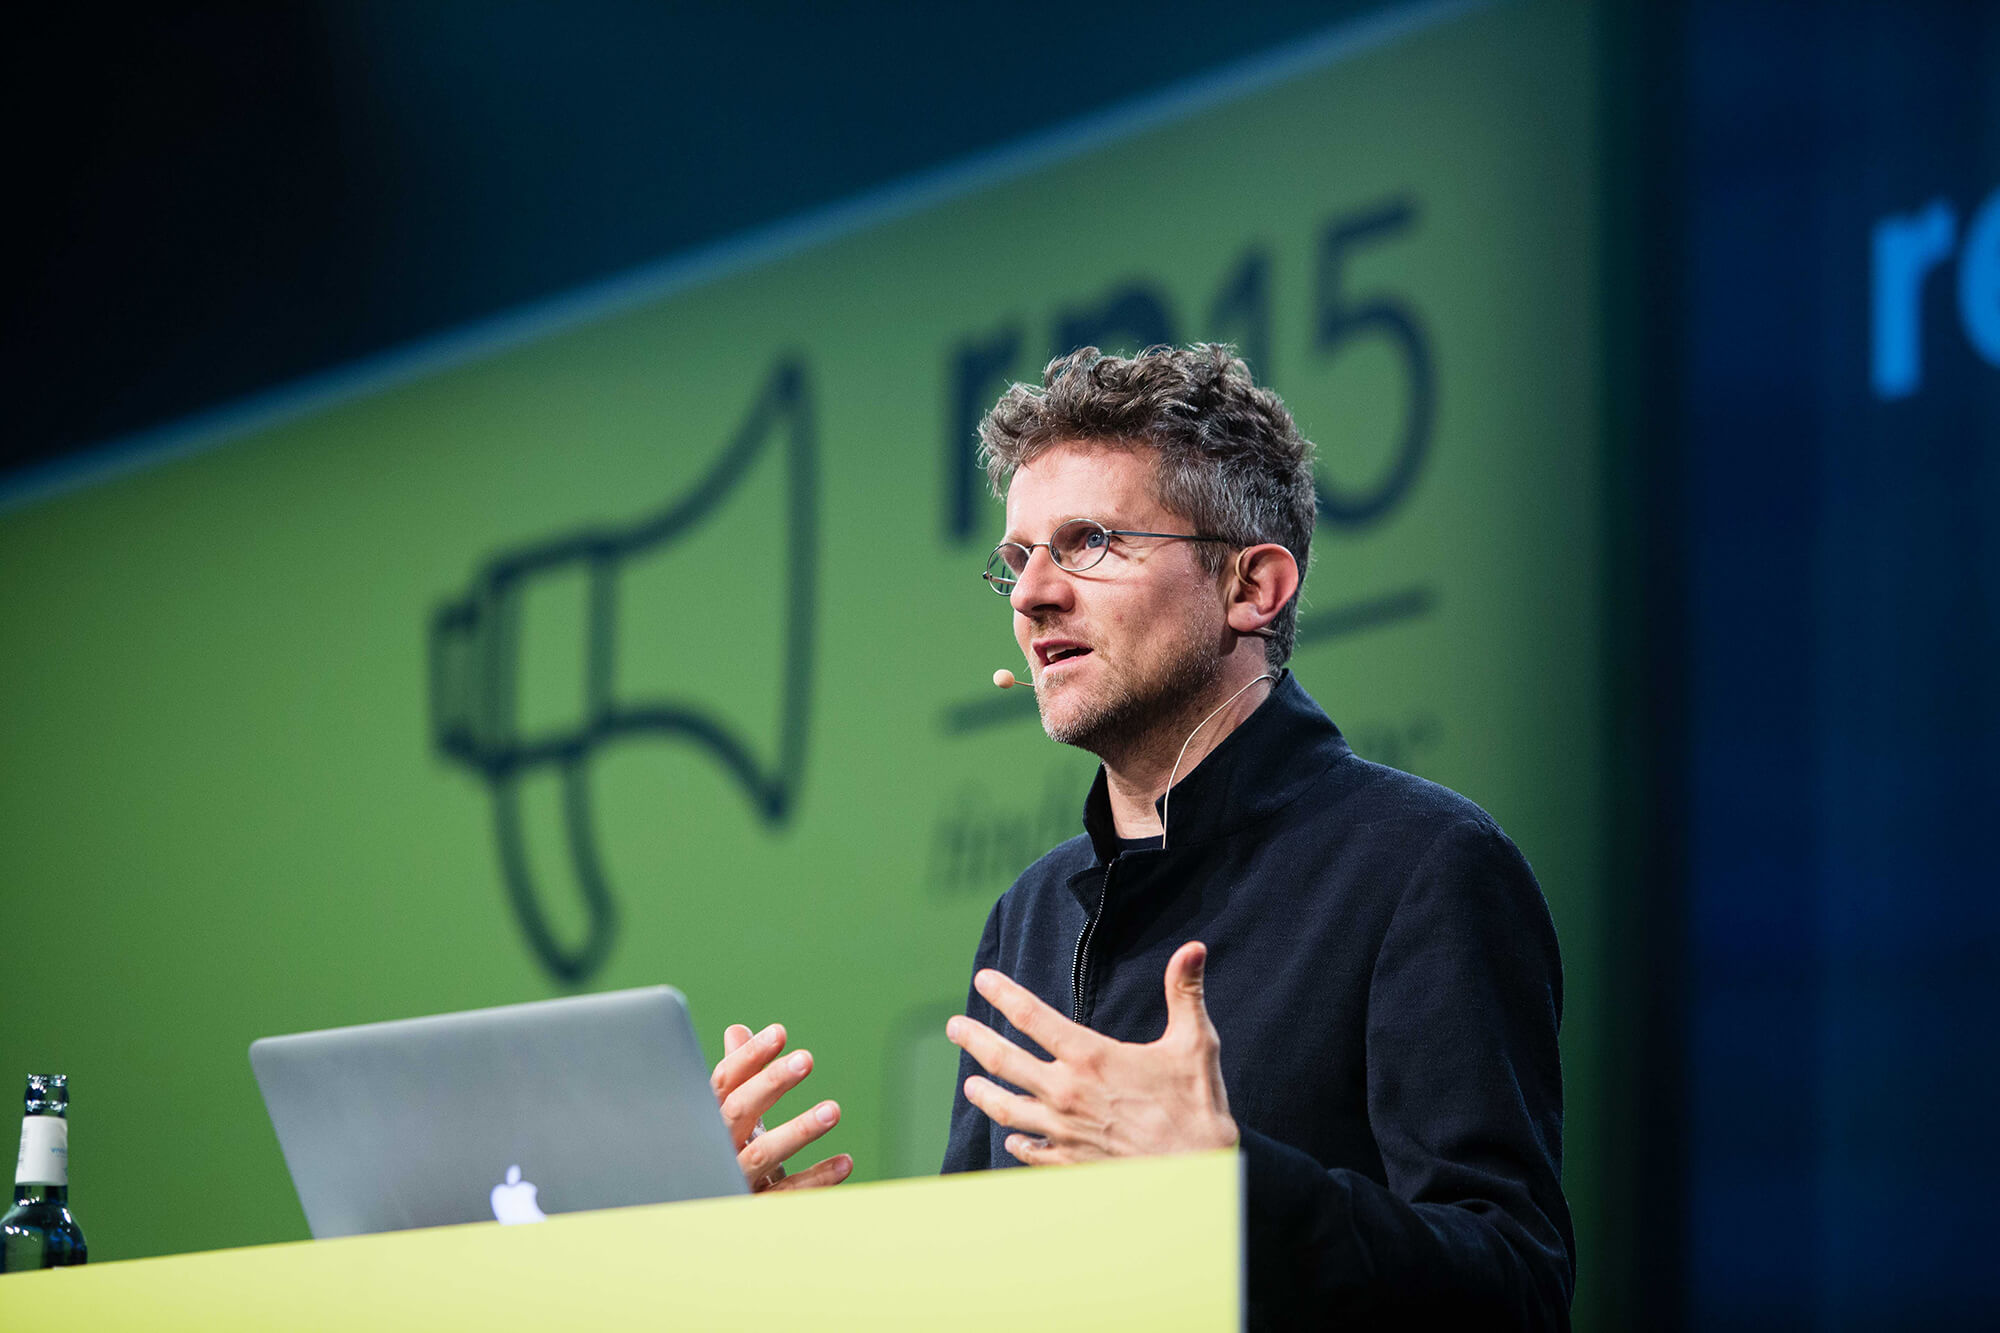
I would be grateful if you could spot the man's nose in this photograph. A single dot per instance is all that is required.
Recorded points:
(1041, 583)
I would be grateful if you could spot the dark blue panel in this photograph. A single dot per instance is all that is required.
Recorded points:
(1844, 612)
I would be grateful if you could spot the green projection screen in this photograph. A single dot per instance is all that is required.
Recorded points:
(647, 644)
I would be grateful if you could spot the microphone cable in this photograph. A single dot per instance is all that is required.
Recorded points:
(1168, 794)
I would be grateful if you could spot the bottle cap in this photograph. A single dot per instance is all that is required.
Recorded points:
(48, 1094)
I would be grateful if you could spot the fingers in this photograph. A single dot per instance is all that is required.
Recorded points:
(747, 1081)
(756, 1095)
(1026, 1011)
(1010, 1110)
(743, 1055)
(759, 1181)
(830, 1172)
(767, 1152)
(998, 1056)
(1187, 1006)
(1031, 1151)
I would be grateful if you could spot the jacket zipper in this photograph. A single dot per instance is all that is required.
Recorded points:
(1082, 958)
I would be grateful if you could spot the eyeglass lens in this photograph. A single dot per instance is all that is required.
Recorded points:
(1076, 546)
(1079, 544)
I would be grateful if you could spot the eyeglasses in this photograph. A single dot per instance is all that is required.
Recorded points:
(1075, 546)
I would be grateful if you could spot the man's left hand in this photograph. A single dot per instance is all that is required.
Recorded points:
(1097, 1097)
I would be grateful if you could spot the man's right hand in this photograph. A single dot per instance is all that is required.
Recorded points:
(748, 1081)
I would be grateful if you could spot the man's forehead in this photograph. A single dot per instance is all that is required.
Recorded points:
(1113, 484)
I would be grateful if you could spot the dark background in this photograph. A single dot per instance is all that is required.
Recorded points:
(212, 202)
(1839, 569)
(218, 199)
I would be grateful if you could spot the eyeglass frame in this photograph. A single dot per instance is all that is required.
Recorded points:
(1028, 550)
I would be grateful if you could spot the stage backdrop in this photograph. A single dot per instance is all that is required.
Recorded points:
(642, 639)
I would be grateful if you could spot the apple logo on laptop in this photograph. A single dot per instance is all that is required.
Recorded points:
(515, 1201)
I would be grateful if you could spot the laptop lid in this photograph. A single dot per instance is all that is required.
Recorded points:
(592, 1101)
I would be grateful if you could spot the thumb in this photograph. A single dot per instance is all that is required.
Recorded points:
(1187, 1005)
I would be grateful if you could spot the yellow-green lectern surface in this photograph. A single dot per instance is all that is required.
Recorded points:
(1154, 1244)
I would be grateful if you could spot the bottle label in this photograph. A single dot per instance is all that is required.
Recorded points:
(44, 1156)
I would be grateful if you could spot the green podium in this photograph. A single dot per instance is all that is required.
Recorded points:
(1153, 1243)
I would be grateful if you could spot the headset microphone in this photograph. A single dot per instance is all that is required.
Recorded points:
(1007, 680)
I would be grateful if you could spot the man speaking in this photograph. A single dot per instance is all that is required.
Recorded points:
(1260, 939)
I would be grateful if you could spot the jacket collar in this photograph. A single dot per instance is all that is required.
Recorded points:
(1261, 767)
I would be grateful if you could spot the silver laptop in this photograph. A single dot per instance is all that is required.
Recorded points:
(594, 1101)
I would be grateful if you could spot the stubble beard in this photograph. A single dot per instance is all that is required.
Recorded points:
(1118, 718)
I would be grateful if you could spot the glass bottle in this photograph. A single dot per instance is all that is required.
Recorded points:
(38, 1231)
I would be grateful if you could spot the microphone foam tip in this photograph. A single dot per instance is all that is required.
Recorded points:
(1004, 678)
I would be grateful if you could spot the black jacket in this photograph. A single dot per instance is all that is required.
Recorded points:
(1383, 973)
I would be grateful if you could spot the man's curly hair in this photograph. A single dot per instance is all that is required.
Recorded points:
(1230, 459)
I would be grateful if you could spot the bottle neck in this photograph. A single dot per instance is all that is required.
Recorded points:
(43, 1163)
(57, 1194)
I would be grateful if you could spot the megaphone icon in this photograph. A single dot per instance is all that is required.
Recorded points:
(476, 649)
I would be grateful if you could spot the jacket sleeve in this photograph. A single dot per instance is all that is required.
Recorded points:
(1465, 1103)
(970, 1147)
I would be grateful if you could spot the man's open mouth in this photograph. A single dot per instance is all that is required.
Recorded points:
(1060, 652)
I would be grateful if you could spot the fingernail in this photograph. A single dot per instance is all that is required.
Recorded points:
(800, 1062)
(843, 1167)
(768, 1033)
(951, 1029)
(827, 1113)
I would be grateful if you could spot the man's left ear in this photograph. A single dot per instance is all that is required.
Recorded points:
(1267, 577)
